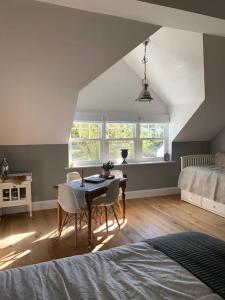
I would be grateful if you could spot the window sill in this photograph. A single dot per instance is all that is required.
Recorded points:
(124, 165)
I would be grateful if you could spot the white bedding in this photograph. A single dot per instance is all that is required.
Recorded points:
(128, 272)
(206, 181)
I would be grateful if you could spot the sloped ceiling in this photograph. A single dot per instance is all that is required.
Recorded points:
(176, 72)
(152, 13)
(47, 54)
(175, 67)
(115, 91)
(209, 119)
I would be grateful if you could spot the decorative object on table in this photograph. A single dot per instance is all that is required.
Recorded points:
(124, 154)
(166, 156)
(107, 177)
(82, 178)
(145, 95)
(4, 168)
(106, 168)
(94, 179)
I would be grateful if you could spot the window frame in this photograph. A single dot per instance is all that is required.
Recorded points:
(108, 140)
(140, 139)
(104, 143)
(100, 139)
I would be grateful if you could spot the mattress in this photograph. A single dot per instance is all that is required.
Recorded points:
(206, 181)
(137, 271)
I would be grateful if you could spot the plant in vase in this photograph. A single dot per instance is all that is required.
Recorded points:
(107, 167)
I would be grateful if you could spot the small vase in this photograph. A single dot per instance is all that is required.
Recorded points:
(106, 173)
(124, 154)
(166, 156)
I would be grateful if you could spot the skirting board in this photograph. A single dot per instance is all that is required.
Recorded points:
(50, 204)
(152, 193)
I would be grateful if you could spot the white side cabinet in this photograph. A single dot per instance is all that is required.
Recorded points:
(15, 192)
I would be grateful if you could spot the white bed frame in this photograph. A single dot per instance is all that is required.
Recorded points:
(205, 203)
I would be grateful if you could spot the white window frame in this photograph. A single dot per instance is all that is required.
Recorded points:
(108, 140)
(87, 162)
(165, 139)
(104, 143)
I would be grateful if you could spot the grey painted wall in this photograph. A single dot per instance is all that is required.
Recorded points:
(215, 8)
(218, 143)
(47, 54)
(46, 162)
(154, 176)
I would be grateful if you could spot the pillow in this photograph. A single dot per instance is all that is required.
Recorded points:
(220, 159)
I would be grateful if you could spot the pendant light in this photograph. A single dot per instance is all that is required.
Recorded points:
(145, 95)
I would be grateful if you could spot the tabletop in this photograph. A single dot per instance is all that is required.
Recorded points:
(89, 187)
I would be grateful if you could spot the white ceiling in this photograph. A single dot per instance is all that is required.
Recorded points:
(175, 67)
(115, 91)
(149, 13)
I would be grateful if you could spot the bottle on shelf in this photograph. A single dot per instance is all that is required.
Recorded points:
(4, 167)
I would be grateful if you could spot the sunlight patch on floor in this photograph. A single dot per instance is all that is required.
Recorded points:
(50, 235)
(105, 241)
(14, 238)
(111, 226)
(12, 257)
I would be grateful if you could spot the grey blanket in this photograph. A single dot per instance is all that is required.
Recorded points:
(200, 254)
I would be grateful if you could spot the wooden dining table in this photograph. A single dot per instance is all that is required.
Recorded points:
(91, 192)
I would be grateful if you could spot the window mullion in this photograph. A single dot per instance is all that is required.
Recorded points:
(104, 146)
(138, 142)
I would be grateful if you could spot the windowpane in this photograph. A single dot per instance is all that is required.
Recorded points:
(120, 130)
(152, 130)
(152, 148)
(116, 146)
(86, 130)
(85, 150)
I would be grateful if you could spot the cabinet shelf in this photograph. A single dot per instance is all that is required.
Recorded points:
(16, 194)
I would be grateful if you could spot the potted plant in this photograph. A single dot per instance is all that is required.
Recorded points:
(107, 167)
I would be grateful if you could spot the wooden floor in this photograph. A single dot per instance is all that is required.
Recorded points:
(25, 241)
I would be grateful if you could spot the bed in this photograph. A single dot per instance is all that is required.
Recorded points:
(179, 267)
(202, 181)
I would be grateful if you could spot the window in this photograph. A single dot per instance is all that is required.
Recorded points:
(95, 142)
(152, 140)
(85, 142)
(120, 136)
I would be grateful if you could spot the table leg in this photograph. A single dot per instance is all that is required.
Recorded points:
(59, 216)
(123, 202)
(88, 200)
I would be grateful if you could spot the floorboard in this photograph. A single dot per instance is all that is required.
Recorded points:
(25, 241)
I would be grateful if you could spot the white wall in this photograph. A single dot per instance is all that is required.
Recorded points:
(115, 91)
(176, 72)
(209, 119)
(47, 54)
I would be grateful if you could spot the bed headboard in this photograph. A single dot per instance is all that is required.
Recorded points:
(197, 160)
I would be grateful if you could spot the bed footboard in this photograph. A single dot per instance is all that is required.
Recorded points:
(197, 160)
